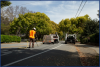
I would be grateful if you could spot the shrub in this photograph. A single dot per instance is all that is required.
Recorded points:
(84, 40)
(10, 38)
(94, 38)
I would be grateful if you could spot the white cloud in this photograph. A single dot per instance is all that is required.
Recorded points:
(63, 11)
(93, 2)
(74, 2)
(63, 1)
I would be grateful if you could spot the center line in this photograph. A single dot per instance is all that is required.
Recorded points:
(31, 56)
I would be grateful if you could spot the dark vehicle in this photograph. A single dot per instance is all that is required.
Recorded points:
(70, 39)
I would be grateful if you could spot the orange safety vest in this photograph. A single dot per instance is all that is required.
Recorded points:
(32, 32)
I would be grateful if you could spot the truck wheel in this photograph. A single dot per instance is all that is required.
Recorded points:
(65, 42)
(52, 42)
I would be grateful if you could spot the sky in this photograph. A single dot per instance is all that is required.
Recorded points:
(58, 10)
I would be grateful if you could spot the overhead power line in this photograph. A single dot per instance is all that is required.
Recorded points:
(82, 7)
(79, 8)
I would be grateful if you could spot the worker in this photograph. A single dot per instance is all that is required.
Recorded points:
(32, 34)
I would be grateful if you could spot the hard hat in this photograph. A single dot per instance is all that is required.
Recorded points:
(34, 28)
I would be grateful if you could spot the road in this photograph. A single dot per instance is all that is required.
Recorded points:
(58, 54)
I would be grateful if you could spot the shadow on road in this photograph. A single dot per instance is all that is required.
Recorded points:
(38, 57)
(85, 45)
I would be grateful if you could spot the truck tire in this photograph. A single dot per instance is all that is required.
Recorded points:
(74, 42)
(52, 42)
(66, 42)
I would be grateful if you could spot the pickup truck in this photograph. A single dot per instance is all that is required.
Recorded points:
(70, 38)
(52, 38)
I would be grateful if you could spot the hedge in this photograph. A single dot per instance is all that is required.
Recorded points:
(10, 38)
(84, 40)
(94, 38)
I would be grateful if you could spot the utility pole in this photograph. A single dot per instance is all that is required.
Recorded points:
(98, 15)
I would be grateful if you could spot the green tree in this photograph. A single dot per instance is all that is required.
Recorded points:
(5, 25)
(90, 32)
(65, 25)
(5, 29)
(73, 28)
(91, 27)
(26, 22)
(54, 27)
(5, 3)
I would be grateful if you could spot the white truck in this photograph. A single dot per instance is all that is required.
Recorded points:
(52, 38)
(70, 38)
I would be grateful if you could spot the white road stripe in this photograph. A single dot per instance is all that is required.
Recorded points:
(31, 56)
(6, 53)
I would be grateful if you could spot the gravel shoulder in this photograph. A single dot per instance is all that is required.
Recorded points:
(89, 55)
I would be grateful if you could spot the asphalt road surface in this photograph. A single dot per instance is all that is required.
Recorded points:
(58, 54)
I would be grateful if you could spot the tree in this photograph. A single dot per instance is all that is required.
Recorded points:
(5, 29)
(91, 27)
(73, 28)
(81, 21)
(74, 25)
(90, 32)
(5, 3)
(26, 22)
(54, 27)
(7, 16)
(5, 25)
(65, 25)
(61, 24)
(11, 12)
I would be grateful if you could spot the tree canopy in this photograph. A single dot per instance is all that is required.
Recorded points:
(73, 25)
(5, 3)
(26, 22)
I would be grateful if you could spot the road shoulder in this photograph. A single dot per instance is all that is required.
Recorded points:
(88, 56)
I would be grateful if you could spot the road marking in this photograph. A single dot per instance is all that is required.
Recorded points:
(31, 56)
(6, 53)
